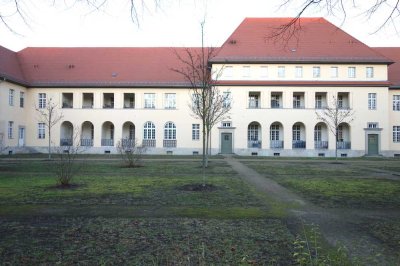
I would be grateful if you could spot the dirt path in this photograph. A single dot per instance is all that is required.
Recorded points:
(338, 226)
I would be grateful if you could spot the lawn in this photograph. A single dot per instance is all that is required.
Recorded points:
(150, 216)
(141, 216)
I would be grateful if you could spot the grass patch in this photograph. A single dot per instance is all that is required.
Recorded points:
(347, 185)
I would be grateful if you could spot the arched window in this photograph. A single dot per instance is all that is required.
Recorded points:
(169, 131)
(252, 132)
(274, 132)
(149, 131)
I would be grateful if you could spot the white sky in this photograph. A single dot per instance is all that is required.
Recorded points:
(173, 23)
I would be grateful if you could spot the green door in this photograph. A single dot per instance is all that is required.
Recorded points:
(373, 144)
(226, 143)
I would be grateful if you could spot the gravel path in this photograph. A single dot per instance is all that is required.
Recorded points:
(338, 226)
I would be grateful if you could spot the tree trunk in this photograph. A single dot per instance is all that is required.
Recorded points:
(49, 148)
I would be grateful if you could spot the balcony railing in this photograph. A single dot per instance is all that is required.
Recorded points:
(343, 145)
(321, 145)
(128, 142)
(129, 106)
(107, 142)
(66, 105)
(149, 143)
(87, 106)
(276, 144)
(169, 143)
(86, 142)
(65, 142)
(299, 144)
(253, 103)
(275, 104)
(108, 106)
(254, 144)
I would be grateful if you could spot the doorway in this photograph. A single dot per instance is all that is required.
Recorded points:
(226, 143)
(373, 144)
(21, 136)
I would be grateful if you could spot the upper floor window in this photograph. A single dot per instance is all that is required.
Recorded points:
(42, 100)
(11, 97)
(396, 102)
(371, 101)
(263, 71)
(226, 99)
(318, 101)
(254, 98)
(150, 100)
(316, 72)
(370, 72)
(276, 100)
(10, 129)
(396, 133)
(170, 101)
(351, 72)
(246, 71)
(298, 72)
(21, 99)
(334, 72)
(372, 125)
(228, 71)
(281, 71)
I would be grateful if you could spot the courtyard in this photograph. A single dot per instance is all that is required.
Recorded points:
(254, 210)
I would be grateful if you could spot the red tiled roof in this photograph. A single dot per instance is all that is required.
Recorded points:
(394, 69)
(111, 67)
(10, 67)
(316, 41)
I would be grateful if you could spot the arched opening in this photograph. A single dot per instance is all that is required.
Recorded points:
(321, 136)
(128, 134)
(298, 136)
(254, 135)
(343, 136)
(276, 135)
(107, 134)
(66, 133)
(87, 134)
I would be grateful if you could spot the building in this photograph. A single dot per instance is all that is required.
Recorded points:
(276, 85)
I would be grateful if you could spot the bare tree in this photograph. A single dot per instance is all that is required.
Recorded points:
(66, 165)
(208, 103)
(333, 116)
(389, 10)
(131, 152)
(49, 115)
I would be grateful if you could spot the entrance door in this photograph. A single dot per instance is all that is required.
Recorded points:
(21, 136)
(226, 143)
(373, 144)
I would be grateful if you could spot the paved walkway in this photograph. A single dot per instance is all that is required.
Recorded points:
(338, 226)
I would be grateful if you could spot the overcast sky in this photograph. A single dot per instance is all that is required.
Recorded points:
(173, 23)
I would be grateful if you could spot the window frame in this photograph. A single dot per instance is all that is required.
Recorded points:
(10, 129)
(351, 72)
(170, 131)
(41, 130)
(149, 131)
(396, 102)
(42, 100)
(334, 72)
(195, 131)
(396, 134)
(372, 101)
(298, 72)
(11, 94)
(369, 72)
(149, 100)
(316, 72)
(169, 101)
(281, 71)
